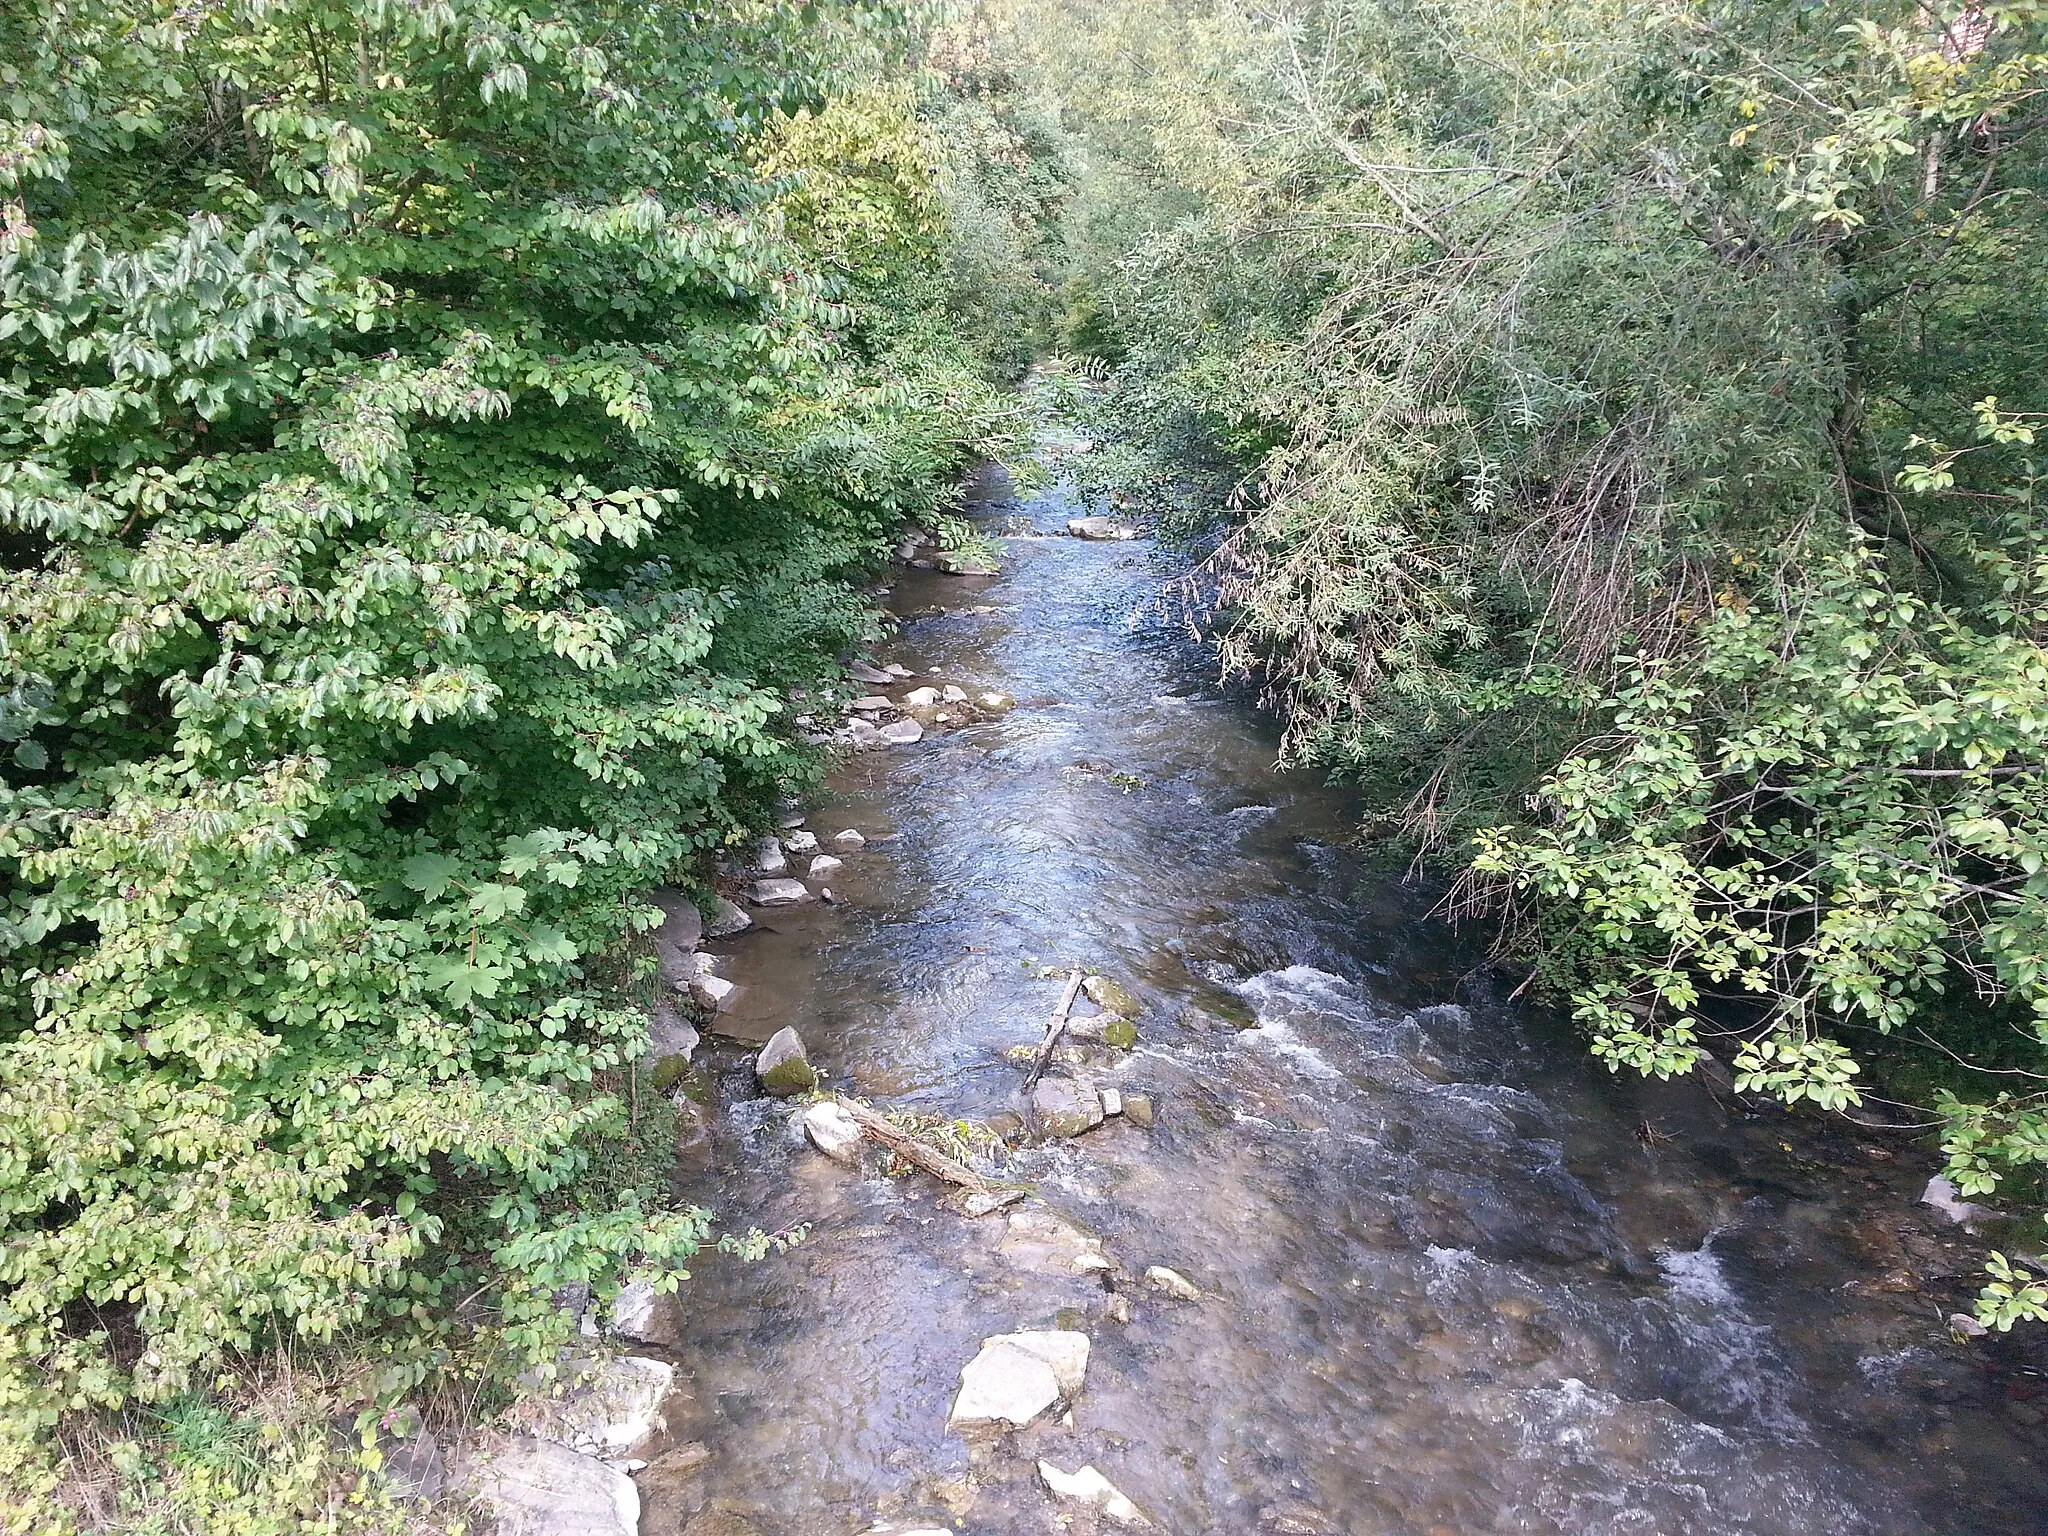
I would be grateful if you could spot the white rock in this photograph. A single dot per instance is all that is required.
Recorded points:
(871, 704)
(952, 694)
(897, 669)
(997, 701)
(1171, 1282)
(1091, 1487)
(1112, 1101)
(863, 735)
(921, 698)
(727, 918)
(825, 895)
(712, 993)
(850, 838)
(1099, 528)
(780, 893)
(1003, 1385)
(833, 1132)
(533, 1487)
(823, 865)
(902, 733)
(768, 856)
(608, 1412)
(801, 842)
(1018, 1376)
(1941, 1194)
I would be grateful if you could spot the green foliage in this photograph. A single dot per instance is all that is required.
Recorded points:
(432, 441)
(1566, 395)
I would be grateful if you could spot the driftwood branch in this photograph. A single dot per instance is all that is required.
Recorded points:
(1054, 1028)
(911, 1150)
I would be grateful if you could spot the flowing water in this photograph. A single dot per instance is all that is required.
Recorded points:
(1457, 1279)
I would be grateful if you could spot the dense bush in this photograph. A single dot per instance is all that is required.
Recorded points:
(433, 438)
(1580, 386)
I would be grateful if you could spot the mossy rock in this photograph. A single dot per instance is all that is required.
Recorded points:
(792, 1076)
(667, 1072)
(1111, 996)
(1120, 1033)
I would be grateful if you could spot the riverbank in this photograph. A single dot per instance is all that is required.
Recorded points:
(1451, 1276)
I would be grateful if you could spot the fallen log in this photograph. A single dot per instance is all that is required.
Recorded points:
(1054, 1028)
(911, 1150)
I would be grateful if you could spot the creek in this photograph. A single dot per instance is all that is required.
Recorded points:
(1457, 1278)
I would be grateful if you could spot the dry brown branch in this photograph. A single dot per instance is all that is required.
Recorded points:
(911, 1150)
(1054, 1028)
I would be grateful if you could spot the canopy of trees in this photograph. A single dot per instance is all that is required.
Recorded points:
(1621, 417)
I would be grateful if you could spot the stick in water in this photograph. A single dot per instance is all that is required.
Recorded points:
(1054, 1028)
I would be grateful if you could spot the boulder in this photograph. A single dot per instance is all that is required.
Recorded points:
(532, 1487)
(779, 893)
(769, 858)
(609, 1410)
(801, 842)
(1064, 1108)
(1018, 1376)
(921, 698)
(647, 1316)
(1138, 1110)
(713, 994)
(864, 735)
(1118, 1032)
(901, 733)
(824, 864)
(1111, 997)
(849, 839)
(1171, 1282)
(1099, 528)
(1043, 1240)
(727, 918)
(676, 940)
(1091, 1487)
(782, 1066)
(871, 704)
(833, 1132)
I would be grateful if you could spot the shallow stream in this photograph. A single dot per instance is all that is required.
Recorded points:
(1456, 1278)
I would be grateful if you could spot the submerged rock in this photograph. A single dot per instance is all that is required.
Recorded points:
(1171, 1282)
(1042, 1239)
(780, 893)
(783, 1068)
(1111, 997)
(1018, 1376)
(1138, 1110)
(1091, 1487)
(966, 565)
(1099, 528)
(533, 1487)
(727, 918)
(1064, 1108)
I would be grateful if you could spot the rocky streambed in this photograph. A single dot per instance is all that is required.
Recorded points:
(1292, 1225)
